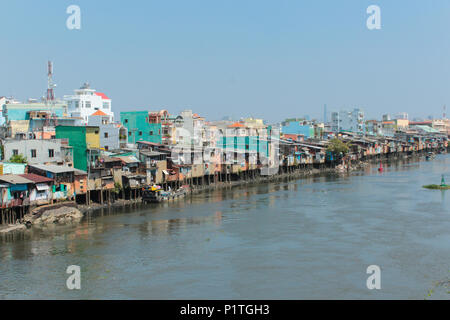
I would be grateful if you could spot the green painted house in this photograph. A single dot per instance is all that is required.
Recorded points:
(142, 126)
(85, 141)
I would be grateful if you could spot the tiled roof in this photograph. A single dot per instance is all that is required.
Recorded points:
(99, 113)
(101, 94)
(236, 125)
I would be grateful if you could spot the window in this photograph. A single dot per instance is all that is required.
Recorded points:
(140, 133)
(88, 104)
(33, 153)
(151, 133)
(106, 148)
(106, 134)
(129, 134)
(15, 152)
(51, 153)
(77, 104)
(126, 120)
(105, 105)
(96, 131)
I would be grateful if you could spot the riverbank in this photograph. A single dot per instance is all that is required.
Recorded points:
(261, 241)
(284, 172)
(310, 172)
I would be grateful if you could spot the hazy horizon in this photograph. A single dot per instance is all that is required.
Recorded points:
(266, 59)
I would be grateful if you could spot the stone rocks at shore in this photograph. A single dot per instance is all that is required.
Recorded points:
(13, 227)
(60, 215)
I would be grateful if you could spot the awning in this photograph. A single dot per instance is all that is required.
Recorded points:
(42, 186)
(18, 187)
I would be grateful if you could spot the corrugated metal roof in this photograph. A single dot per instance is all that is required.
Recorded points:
(79, 172)
(15, 179)
(128, 159)
(149, 143)
(152, 153)
(36, 178)
(53, 168)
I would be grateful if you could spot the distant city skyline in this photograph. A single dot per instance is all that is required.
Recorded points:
(266, 59)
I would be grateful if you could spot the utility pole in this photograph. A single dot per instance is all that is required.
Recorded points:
(88, 174)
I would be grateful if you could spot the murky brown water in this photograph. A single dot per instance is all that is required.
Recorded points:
(302, 239)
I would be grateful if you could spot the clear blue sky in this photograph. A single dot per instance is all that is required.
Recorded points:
(270, 59)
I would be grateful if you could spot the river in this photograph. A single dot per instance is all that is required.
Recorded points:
(310, 238)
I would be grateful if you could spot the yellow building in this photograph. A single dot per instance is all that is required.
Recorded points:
(93, 137)
(402, 123)
(18, 126)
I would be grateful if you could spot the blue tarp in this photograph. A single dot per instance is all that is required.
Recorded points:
(18, 187)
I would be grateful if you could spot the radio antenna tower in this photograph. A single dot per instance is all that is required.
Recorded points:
(50, 84)
(444, 115)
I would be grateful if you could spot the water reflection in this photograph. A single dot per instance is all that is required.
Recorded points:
(268, 240)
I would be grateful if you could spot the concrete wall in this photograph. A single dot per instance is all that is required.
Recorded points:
(42, 148)
(138, 127)
(19, 126)
(93, 137)
(77, 139)
(109, 132)
(297, 128)
(19, 111)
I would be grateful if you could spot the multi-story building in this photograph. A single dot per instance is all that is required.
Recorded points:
(112, 135)
(20, 111)
(144, 125)
(352, 121)
(42, 124)
(373, 127)
(86, 101)
(190, 129)
(49, 151)
(302, 127)
(401, 116)
(85, 141)
(305, 128)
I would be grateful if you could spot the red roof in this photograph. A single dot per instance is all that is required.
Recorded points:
(420, 122)
(35, 178)
(99, 113)
(236, 125)
(102, 95)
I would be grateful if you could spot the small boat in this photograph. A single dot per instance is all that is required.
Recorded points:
(429, 156)
(155, 194)
(152, 194)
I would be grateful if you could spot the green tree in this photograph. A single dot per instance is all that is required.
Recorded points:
(18, 158)
(117, 187)
(338, 147)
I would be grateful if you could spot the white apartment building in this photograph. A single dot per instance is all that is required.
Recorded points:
(87, 101)
(352, 121)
